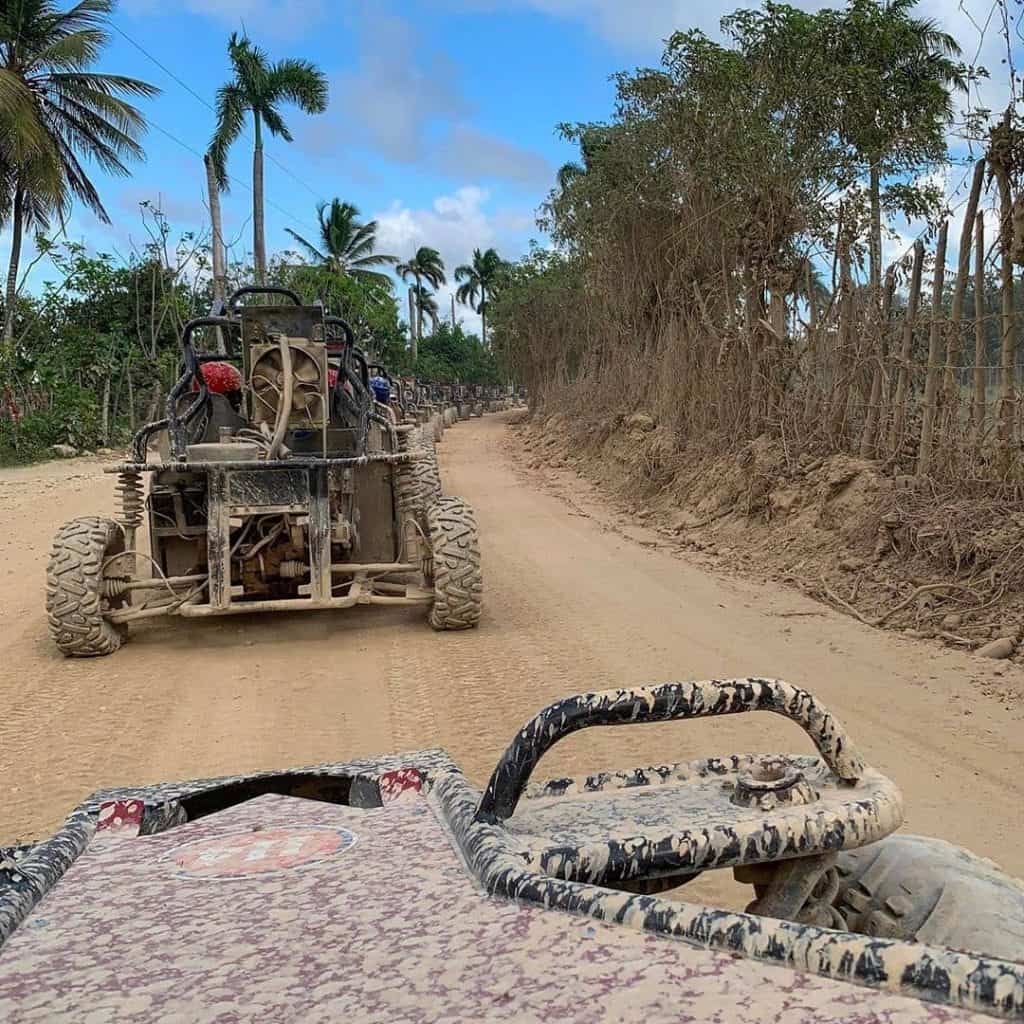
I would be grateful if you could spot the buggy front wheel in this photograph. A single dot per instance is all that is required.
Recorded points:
(74, 587)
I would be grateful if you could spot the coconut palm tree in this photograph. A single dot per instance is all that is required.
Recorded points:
(480, 279)
(258, 88)
(426, 306)
(425, 265)
(345, 246)
(54, 112)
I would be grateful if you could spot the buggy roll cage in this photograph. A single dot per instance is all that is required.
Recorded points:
(225, 315)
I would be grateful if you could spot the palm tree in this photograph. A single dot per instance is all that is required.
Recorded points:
(426, 305)
(897, 98)
(345, 245)
(259, 88)
(480, 279)
(55, 111)
(425, 265)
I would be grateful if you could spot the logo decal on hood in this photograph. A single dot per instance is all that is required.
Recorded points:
(260, 852)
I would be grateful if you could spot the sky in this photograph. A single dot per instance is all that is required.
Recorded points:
(443, 115)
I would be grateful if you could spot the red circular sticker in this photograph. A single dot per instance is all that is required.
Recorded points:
(260, 852)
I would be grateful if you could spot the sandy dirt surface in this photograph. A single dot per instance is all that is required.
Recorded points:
(574, 600)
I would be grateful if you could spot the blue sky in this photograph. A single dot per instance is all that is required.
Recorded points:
(442, 116)
(441, 122)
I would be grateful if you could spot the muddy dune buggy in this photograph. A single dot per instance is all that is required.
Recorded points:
(283, 482)
(357, 891)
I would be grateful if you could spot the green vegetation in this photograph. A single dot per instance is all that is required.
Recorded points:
(92, 356)
(719, 245)
(346, 247)
(450, 354)
(480, 281)
(425, 265)
(54, 112)
(96, 354)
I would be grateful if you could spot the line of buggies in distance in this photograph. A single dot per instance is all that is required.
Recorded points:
(421, 400)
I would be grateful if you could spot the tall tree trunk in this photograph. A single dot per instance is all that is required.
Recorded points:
(453, 311)
(874, 416)
(980, 347)
(414, 348)
(11, 292)
(105, 411)
(419, 311)
(845, 365)
(1008, 347)
(931, 386)
(875, 257)
(217, 254)
(963, 272)
(483, 318)
(777, 318)
(259, 243)
(131, 399)
(811, 353)
(751, 318)
(906, 350)
(218, 259)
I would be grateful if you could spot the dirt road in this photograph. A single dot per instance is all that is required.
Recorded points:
(571, 603)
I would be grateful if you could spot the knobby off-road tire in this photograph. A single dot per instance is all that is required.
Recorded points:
(428, 476)
(74, 578)
(417, 484)
(409, 496)
(458, 585)
(927, 890)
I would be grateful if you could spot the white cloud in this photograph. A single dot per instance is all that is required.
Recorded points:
(287, 19)
(406, 102)
(396, 94)
(466, 151)
(636, 25)
(455, 225)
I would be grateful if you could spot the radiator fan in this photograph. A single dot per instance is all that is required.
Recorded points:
(268, 383)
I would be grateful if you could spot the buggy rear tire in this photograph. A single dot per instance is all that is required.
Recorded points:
(74, 579)
(455, 557)
(927, 890)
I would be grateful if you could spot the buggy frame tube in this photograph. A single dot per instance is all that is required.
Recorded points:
(667, 702)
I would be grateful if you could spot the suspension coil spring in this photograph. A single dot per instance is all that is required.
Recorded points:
(132, 498)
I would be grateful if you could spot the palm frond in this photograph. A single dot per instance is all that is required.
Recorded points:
(231, 107)
(300, 82)
(121, 116)
(310, 248)
(274, 122)
(377, 259)
(24, 136)
(75, 50)
(84, 16)
(78, 182)
(107, 85)
(370, 276)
